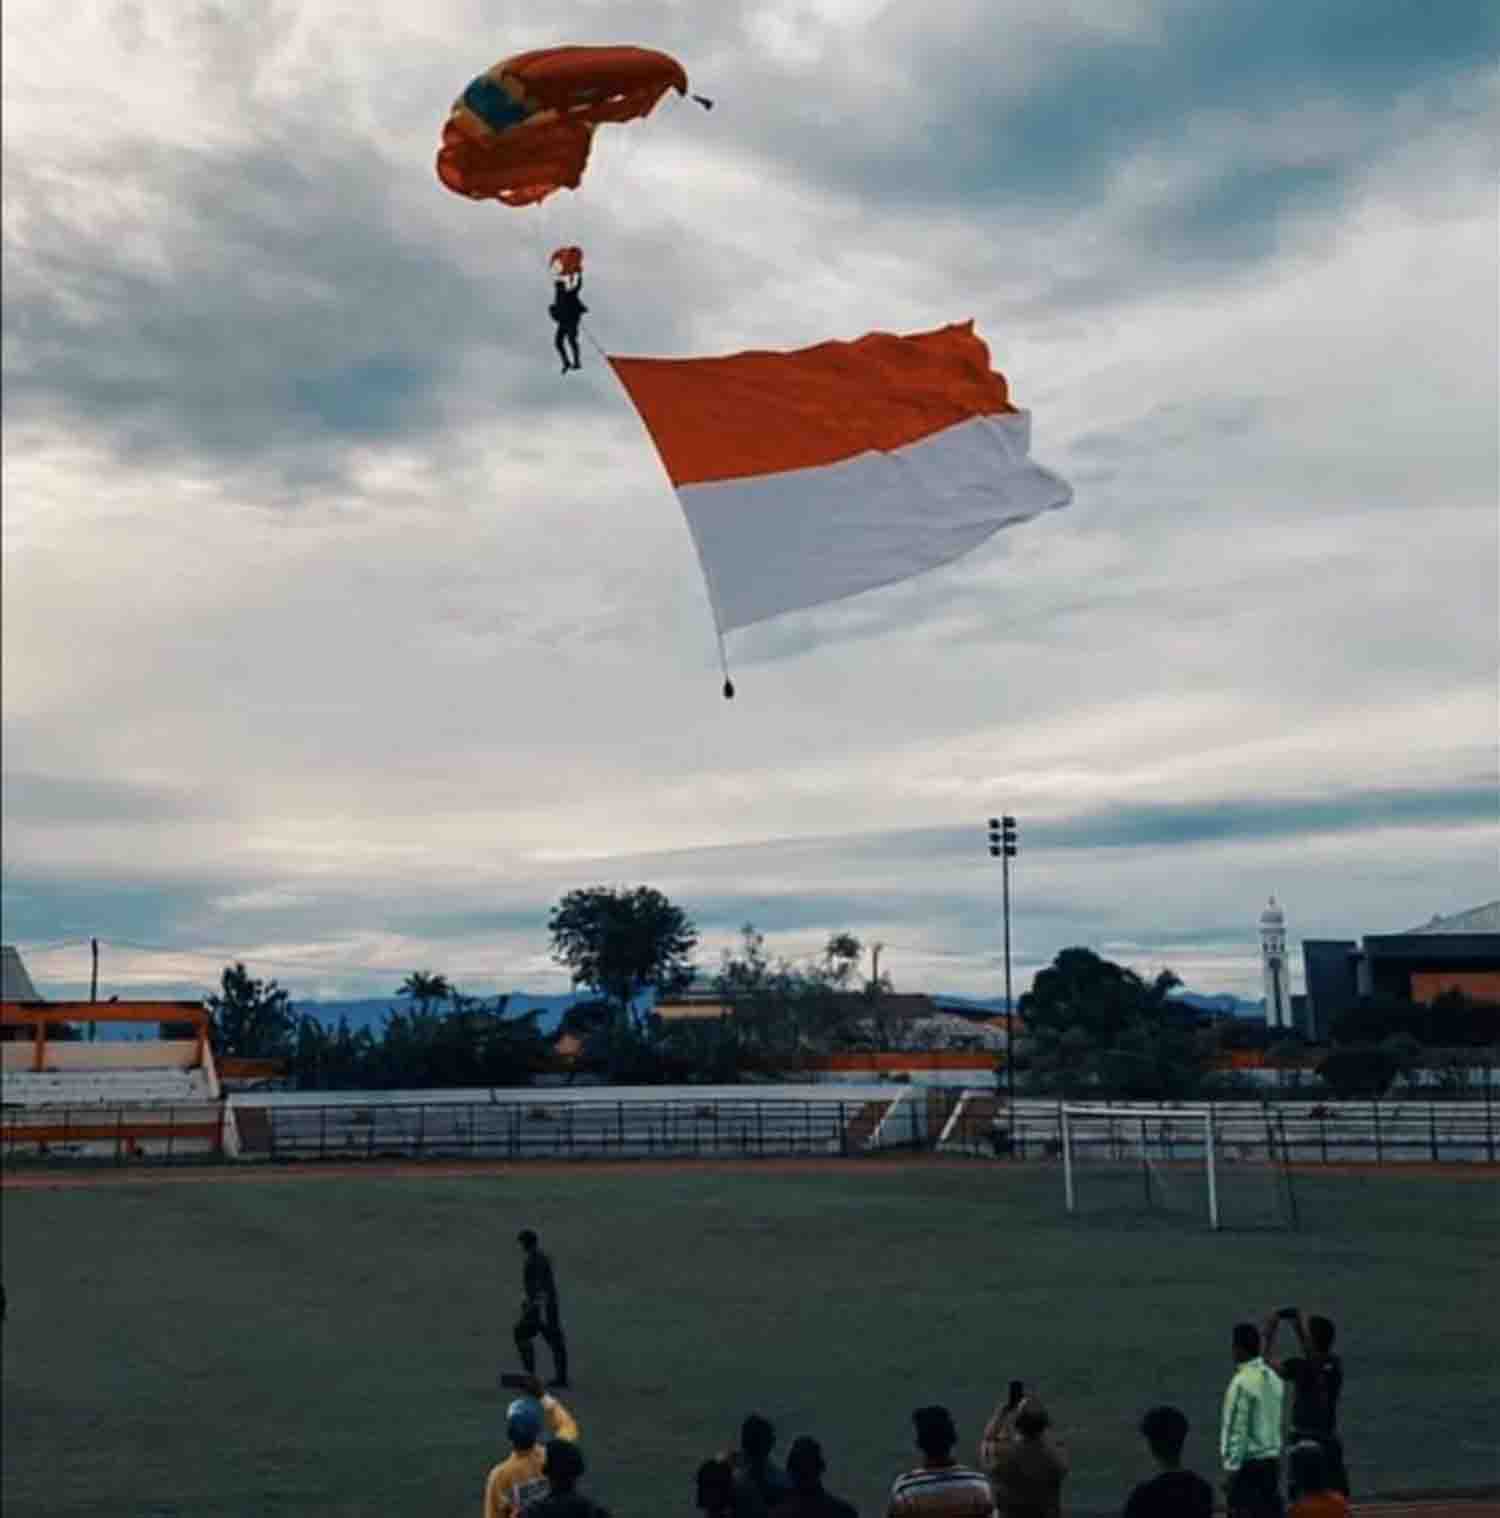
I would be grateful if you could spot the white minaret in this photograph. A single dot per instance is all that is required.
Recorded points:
(1275, 978)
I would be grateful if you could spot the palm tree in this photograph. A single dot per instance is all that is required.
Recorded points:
(424, 988)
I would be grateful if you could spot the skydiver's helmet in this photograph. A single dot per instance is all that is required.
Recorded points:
(524, 1421)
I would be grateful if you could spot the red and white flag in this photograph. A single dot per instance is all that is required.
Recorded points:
(819, 473)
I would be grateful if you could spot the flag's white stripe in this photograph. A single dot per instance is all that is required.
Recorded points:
(775, 543)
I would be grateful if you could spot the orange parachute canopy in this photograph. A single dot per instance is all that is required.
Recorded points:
(568, 262)
(522, 129)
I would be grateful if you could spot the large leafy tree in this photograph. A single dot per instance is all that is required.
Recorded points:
(252, 1019)
(1092, 1023)
(620, 943)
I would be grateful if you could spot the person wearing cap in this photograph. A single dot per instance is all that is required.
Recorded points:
(563, 1466)
(808, 1499)
(540, 1311)
(1026, 1464)
(940, 1487)
(519, 1478)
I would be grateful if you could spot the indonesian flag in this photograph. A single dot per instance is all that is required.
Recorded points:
(816, 474)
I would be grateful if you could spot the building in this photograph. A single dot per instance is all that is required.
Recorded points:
(1275, 977)
(15, 983)
(1457, 953)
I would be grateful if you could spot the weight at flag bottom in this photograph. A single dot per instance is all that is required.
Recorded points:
(811, 475)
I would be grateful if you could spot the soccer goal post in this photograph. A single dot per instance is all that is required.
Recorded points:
(1227, 1170)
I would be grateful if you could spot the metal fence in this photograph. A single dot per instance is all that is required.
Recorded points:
(537, 1129)
(167, 1132)
(1327, 1133)
(675, 1124)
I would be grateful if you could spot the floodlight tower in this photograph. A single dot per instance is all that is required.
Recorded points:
(1003, 848)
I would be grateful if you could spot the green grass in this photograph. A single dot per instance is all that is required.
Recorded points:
(330, 1345)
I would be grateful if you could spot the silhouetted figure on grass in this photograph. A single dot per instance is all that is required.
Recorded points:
(715, 1482)
(564, 1465)
(940, 1484)
(1309, 1475)
(804, 1468)
(1173, 1492)
(1316, 1377)
(759, 1483)
(540, 1311)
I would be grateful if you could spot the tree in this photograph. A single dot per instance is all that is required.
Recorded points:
(1090, 1023)
(424, 989)
(620, 943)
(1354, 1070)
(252, 1019)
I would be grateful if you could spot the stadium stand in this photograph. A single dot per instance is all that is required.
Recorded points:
(114, 1098)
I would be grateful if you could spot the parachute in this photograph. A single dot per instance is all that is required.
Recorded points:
(567, 263)
(522, 130)
(812, 475)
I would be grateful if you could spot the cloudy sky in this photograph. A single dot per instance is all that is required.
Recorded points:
(342, 635)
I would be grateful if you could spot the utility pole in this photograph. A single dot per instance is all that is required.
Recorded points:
(94, 984)
(1003, 848)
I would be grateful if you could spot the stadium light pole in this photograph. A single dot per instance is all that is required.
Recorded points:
(1003, 848)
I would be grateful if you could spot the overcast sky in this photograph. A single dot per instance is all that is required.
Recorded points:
(342, 635)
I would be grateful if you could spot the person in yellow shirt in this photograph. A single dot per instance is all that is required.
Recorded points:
(1250, 1431)
(529, 1422)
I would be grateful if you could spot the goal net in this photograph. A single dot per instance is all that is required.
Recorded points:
(1227, 1170)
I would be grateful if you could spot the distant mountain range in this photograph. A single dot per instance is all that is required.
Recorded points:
(371, 1012)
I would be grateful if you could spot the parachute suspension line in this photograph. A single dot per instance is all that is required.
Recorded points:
(724, 665)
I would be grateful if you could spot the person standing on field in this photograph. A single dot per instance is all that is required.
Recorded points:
(1026, 1466)
(1173, 1492)
(1316, 1377)
(540, 1311)
(1250, 1431)
(940, 1487)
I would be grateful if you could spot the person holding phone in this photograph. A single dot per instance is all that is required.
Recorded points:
(1316, 1377)
(1025, 1462)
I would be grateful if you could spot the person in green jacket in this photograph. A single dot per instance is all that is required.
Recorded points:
(1250, 1431)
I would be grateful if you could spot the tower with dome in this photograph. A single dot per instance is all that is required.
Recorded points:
(1275, 977)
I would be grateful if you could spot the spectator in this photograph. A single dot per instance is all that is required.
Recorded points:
(940, 1487)
(759, 1483)
(519, 1479)
(804, 1468)
(1173, 1492)
(716, 1488)
(1250, 1431)
(1317, 1378)
(1309, 1474)
(564, 1465)
(1026, 1466)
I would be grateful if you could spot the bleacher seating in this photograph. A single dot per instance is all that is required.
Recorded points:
(114, 1088)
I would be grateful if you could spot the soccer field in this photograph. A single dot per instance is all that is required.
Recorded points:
(297, 1342)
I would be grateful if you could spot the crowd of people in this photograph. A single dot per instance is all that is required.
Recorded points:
(1264, 1445)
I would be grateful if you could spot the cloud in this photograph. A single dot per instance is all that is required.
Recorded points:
(342, 635)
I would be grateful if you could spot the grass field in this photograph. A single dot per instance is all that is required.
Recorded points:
(329, 1344)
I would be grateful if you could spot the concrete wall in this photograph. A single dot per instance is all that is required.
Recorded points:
(159, 1054)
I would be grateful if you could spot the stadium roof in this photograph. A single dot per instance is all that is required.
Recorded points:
(15, 983)
(1484, 919)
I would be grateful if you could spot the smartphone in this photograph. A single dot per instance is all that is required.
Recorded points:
(1017, 1392)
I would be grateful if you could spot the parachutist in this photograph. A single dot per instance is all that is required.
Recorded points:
(567, 310)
